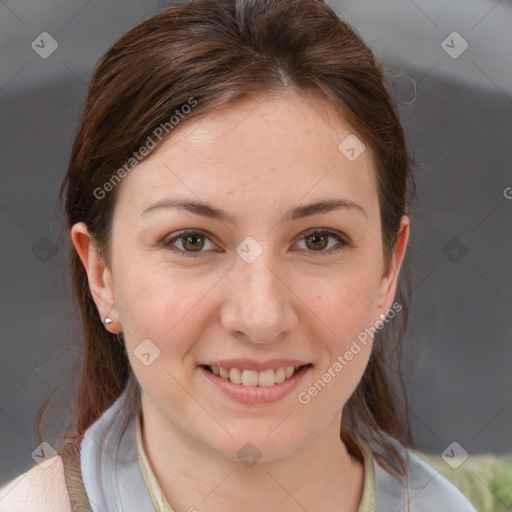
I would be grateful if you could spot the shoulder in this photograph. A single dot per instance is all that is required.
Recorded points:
(430, 490)
(41, 489)
(486, 479)
(426, 488)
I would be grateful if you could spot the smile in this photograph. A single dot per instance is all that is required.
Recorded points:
(254, 378)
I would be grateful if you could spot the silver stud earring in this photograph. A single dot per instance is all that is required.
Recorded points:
(108, 320)
(382, 316)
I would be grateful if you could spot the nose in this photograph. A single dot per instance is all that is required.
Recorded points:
(259, 304)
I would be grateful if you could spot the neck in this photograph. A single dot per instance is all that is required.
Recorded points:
(321, 475)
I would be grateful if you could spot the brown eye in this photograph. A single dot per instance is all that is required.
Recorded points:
(318, 241)
(190, 242)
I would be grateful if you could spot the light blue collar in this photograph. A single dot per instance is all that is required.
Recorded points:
(110, 467)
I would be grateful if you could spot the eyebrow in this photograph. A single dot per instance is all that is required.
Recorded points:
(299, 212)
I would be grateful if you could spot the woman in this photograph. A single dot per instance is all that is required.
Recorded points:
(236, 200)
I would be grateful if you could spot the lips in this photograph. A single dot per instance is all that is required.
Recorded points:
(254, 395)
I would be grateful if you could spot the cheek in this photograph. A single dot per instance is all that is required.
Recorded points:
(346, 304)
(345, 308)
(168, 308)
(344, 338)
(170, 313)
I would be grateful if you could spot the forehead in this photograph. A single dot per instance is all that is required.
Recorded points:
(263, 150)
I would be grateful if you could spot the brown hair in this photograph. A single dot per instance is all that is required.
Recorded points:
(218, 51)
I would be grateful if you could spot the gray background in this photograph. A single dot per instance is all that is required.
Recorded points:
(458, 119)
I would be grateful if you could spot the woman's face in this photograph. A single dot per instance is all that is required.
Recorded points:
(256, 285)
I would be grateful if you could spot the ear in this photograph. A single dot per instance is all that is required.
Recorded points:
(389, 281)
(99, 276)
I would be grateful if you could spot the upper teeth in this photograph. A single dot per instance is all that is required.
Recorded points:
(254, 378)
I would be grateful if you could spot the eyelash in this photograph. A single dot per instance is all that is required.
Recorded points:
(317, 231)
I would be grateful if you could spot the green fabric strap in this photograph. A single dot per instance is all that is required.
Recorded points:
(70, 454)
